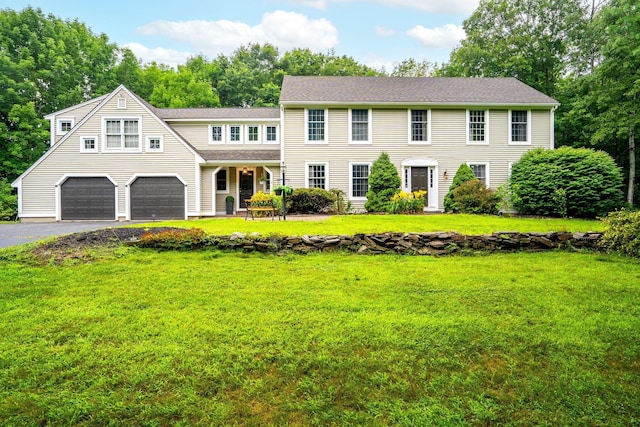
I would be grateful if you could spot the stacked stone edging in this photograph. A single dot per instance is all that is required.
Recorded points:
(410, 243)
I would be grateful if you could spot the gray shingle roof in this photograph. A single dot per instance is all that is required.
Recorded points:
(398, 90)
(240, 155)
(218, 113)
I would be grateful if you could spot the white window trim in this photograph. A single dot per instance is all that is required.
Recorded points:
(259, 141)
(59, 122)
(83, 149)
(486, 128)
(266, 141)
(223, 132)
(428, 141)
(487, 170)
(229, 141)
(528, 141)
(325, 141)
(326, 173)
(215, 180)
(351, 165)
(148, 144)
(369, 126)
(122, 149)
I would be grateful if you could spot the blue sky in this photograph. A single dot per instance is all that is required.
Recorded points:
(378, 33)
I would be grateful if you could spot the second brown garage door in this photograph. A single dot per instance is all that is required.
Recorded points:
(157, 198)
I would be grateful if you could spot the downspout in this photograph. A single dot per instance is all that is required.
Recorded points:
(282, 140)
(552, 142)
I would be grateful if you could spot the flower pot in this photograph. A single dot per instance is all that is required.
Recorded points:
(278, 191)
(229, 208)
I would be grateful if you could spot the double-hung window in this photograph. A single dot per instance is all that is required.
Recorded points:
(359, 180)
(419, 126)
(316, 125)
(253, 134)
(122, 134)
(235, 135)
(317, 175)
(481, 171)
(216, 134)
(360, 125)
(477, 127)
(271, 134)
(519, 127)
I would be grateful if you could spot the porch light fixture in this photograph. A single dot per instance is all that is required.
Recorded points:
(283, 168)
(244, 171)
(445, 176)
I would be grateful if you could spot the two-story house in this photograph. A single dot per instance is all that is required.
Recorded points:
(116, 157)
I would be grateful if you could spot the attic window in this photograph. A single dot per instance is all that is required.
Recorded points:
(122, 103)
(64, 126)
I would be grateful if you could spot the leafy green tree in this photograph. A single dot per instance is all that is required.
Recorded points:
(575, 182)
(463, 174)
(384, 182)
(183, 89)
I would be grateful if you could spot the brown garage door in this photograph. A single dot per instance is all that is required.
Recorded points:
(88, 198)
(157, 198)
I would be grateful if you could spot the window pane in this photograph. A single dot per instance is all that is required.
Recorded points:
(271, 133)
(130, 126)
(216, 133)
(234, 133)
(480, 171)
(476, 126)
(89, 144)
(316, 125)
(221, 180)
(419, 125)
(113, 126)
(131, 141)
(253, 133)
(113, 141)
(317, 176)
(360, 125)
(519, 126)
(360, 180)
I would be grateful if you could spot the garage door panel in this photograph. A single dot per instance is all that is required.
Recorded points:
(157, 198)
(88, 198)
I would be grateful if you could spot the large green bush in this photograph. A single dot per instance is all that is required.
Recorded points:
(622, 233)
(473, 197)
(384, 182)
(8, 202)
(310, 201)
(575, 182)
(463, 174)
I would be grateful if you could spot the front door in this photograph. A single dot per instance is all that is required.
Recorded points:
(246, 187)
(419, 178)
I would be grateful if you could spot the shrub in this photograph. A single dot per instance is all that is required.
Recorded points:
(407, 203)
(575, 182)
(384, 182)
(262, 199)
(622, 233)
(311, 200)
(342, 205)
(8, 201)
(463, 174)
(175, 239)
(473, 197)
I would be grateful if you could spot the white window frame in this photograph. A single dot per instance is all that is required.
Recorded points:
(351, 165)
(229, 129)
(410, 136)
(487, 171)
(369, 126)
(326, 173)
(84, 149)
(248, 134)
(222, 134)
(59, 123)
(215, 181)
(266, 130)
(148, 144)
(486, 128)
(326, 126)
(510, 130)
(122, 148)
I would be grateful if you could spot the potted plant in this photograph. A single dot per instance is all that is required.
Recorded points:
(282, 189)
(229, 201)
(262, 179)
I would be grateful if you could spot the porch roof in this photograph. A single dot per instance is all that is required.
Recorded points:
(241, 156)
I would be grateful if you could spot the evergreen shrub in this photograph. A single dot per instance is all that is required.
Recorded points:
(311, 201)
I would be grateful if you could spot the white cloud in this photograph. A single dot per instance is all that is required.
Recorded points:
(385, 32)
(169, 57)
(436, 6)
(447, 36)
(316, 4)
(285, 30)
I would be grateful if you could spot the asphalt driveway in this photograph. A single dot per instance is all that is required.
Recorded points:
(17, 233)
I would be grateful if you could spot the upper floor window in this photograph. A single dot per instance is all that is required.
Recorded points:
(122, 134)
(519, 123)
(88, 144)
(359, 180)
(253, 134)
(317, 175)
(419, 132)
(216, 134)
(359, 126)
(477, 127)
(64, 126)
(235, 134)
(316, 125)
(155, 143)
(271, 134)
(481, 171)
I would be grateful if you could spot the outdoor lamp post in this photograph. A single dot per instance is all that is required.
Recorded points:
(283, 168)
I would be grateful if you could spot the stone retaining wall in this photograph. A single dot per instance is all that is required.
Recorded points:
(410, 243)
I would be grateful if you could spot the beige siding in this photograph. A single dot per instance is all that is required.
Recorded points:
(38, 186)
(390, 133)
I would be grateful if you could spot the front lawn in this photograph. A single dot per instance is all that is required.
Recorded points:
(210, 338)
(353, 224)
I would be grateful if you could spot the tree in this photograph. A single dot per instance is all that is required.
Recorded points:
(384, 182)
(182, 89)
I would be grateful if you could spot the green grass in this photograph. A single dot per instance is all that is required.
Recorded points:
(209, 338)
(353, 224)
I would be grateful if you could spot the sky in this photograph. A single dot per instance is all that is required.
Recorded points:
(378, 33)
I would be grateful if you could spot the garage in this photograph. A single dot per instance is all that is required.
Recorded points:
(157, 197)
(88, 198)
